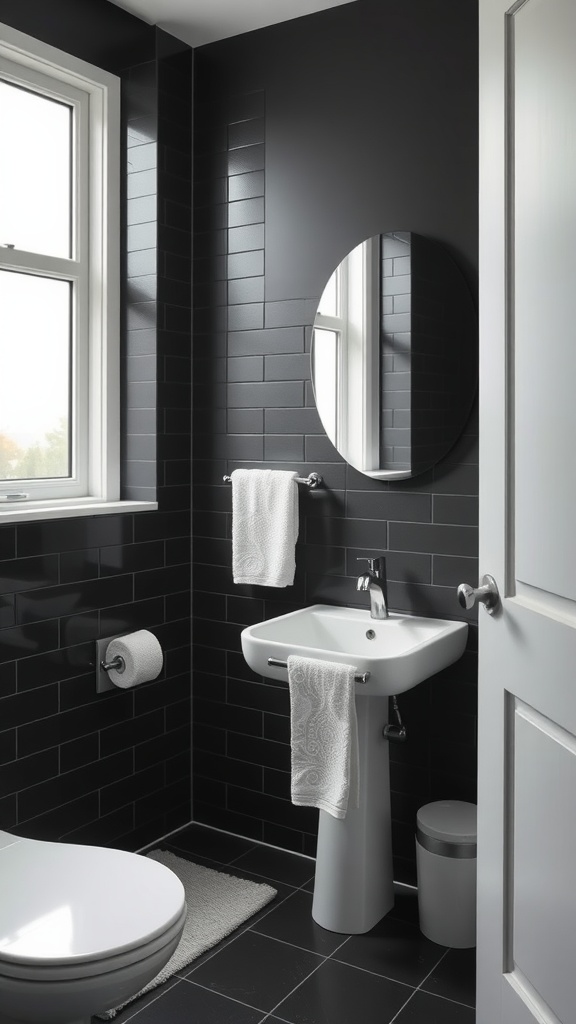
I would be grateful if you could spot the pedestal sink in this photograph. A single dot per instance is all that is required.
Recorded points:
(353, 885)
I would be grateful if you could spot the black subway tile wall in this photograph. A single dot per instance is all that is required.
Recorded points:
(296, 161)
(114, 767)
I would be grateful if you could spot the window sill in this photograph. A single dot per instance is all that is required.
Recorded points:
(16, 512)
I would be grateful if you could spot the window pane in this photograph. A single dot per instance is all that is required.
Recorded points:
(35, 172)
(34, 377)
(325, 377)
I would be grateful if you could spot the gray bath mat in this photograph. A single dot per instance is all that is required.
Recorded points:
(217, 904)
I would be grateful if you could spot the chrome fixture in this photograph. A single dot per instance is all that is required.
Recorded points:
(374, 581)
(395, 731)
(362, 677)
(487, 593)
(312, 481)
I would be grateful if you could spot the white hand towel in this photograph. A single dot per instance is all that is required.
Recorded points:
(324, 735)
(264, 526)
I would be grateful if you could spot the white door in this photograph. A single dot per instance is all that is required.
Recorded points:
(527, 742)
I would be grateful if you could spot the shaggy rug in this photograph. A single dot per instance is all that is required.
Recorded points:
(217, 904)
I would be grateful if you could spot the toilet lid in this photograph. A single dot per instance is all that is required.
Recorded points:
(60, 902)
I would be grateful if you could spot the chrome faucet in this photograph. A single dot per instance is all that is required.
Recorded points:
(374, 581)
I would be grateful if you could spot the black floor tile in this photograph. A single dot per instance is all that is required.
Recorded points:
(405, 904)
(277, 865)
(204, 842)
(184, 1003)
(339, 994)
(455, 977)
(138, 1005)
(393, 949)
(292, 922)
(427, 1009)
(256, 970)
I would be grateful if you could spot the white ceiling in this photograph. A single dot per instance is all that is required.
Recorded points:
(203, 21)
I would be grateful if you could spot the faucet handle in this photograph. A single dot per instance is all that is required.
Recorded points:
(377, 565)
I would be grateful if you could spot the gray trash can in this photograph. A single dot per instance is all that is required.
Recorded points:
(446, 865)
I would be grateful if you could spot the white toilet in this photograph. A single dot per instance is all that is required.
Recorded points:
(82, 928)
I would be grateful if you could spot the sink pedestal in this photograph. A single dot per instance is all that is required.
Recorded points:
(353, 885)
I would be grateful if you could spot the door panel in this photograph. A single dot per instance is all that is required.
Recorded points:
(543, 168)
(542, 869)
(527, 651)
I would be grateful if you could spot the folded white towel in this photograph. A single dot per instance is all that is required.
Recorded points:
(264, 526)
(324, 735)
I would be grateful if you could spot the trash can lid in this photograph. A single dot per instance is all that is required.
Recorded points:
(454, 821)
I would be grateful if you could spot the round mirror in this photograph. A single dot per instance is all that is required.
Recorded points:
(394, 355)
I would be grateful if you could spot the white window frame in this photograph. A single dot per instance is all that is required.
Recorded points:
(356, 325)
(94, 269)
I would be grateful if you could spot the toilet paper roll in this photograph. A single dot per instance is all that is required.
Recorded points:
(142, 656)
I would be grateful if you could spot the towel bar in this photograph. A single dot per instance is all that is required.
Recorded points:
(313, 481)
(362, 677)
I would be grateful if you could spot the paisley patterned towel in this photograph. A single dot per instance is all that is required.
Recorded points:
(324, 735)
(264, 526)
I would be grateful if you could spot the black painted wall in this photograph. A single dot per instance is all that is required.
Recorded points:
(311, 136)
(113, 768)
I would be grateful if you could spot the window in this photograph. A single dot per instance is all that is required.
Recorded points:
(346, 356)
(59, 281)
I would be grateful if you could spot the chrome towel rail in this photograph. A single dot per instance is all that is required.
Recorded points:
(361, 677)
(313, 481)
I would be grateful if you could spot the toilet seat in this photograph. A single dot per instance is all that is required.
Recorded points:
(80, 910)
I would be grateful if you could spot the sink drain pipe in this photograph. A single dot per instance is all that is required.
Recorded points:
(395, 731)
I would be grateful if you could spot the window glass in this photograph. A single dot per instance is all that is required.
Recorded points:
(35, 172)
(35, 372)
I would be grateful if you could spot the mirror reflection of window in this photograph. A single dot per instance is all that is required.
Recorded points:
(325, 371)
(402, 355)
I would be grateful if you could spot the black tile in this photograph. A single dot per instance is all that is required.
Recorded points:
(26, 772)
(185, 1002)
(73, 534)
(255, 970)
(280, 339)
(38, 605)
(413, 508)
(340, 994)
(245, 368)
(287, 367)
(244, 238)
(246, 211)
(247, 396)
(7, 542)
(246, 133)
(283, 447)
(276, 865)
(28, 573)
(78, 565)
(451, 508)
(21, 641)
(250, 748)
(292, 922)
(245, 264)
(393, 949)
(245, 186)
(290, 312)
(7, 611)
(442, 540)
(427, 1009)
(247, 289)
(204, 842)
(455, 977)
(244, 160)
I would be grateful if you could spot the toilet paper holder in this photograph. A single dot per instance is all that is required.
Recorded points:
(118, 663)
(103, 681)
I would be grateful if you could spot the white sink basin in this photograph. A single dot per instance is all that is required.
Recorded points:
(404, 650)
